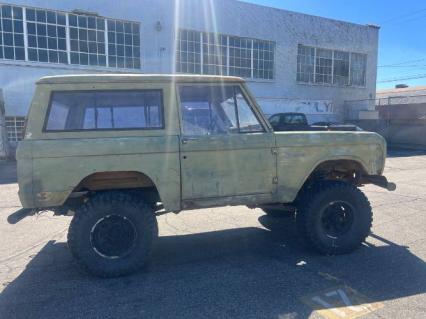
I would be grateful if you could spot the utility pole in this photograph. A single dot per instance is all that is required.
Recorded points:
(3, 134)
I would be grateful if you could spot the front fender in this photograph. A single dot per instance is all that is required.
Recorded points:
(299, 154)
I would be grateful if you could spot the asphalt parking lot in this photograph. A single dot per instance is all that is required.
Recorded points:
(227, 263)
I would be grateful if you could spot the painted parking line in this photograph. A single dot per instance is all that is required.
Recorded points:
(341, 302)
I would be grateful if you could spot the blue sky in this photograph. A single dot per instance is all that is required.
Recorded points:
(402, 48)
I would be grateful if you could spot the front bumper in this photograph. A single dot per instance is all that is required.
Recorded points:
(378, 180)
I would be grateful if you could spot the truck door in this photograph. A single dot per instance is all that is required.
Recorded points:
(225, 150)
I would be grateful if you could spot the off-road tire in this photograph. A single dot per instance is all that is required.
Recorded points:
(99, 207)
(310, 213)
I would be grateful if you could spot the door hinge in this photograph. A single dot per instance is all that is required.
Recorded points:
(275, 180)
(274, 151)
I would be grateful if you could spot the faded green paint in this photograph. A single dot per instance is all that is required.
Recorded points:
(235, 169)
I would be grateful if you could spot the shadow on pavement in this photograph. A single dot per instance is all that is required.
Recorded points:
(238, 273)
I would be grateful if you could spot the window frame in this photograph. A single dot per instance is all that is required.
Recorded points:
(162, 113)
(87, 42)
(37, 48)
(136, 57)
(234, 86)
(14, 34)
(324, 66)
(256, 115)
(351, 71)
(333, 84)
(13, 134)
(340, 62)
(184, 66)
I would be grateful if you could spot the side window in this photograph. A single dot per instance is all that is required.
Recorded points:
(213, 110)
(294, 119)
(103, 110)
(207, 110)
(274, 120)
(247, 119)
(299, 119)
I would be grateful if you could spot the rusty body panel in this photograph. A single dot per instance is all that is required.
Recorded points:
(235, 169)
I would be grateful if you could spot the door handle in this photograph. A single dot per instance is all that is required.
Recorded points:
(185, 140)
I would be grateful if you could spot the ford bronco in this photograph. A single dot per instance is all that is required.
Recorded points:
(117, 150)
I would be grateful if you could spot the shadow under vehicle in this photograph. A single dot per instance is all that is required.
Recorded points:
(240, 273)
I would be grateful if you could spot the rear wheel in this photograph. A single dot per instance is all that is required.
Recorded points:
(112, 234)
(334, 217)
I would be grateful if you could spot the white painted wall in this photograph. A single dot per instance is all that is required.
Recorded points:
(287, 29)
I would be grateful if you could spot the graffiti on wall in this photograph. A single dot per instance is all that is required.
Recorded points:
(314, 107)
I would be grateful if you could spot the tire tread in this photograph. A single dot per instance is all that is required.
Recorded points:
(307, 208)
(107, 199)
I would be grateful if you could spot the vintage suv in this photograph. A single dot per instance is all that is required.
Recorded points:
(117, 150)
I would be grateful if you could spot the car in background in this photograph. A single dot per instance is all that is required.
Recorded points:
(293, 121)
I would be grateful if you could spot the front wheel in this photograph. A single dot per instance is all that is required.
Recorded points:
(112, 234)
(334, 218)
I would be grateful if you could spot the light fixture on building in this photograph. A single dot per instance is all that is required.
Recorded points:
(158, 26)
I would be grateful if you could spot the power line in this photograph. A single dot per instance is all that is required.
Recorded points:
(412, 77)
(403, 66)
(405, 21)
(406, 15)
(400, 63)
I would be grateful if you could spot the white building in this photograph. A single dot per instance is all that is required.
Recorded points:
(292, 61)
(401, 95)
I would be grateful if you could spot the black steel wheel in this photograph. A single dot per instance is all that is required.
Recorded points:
(337, 218)
(113, 236)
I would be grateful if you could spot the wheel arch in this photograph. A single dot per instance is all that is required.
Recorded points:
(112, 180)
(346, 169)
(116, 181)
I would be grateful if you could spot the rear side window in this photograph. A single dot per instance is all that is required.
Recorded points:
(105, 110)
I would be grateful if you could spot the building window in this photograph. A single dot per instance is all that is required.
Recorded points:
(263, 61)
(214, 54)
(188, 55)
(68, 38)
(218, 54)
(105, 110)
(322, 66)
(358, 69)
(240, 50)
(305, 64)
(123, 44)
(11, 33)
(15, 128)
(87, 40)
(47, 40)
(341, 68)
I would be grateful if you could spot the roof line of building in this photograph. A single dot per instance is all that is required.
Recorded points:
(367, 25)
